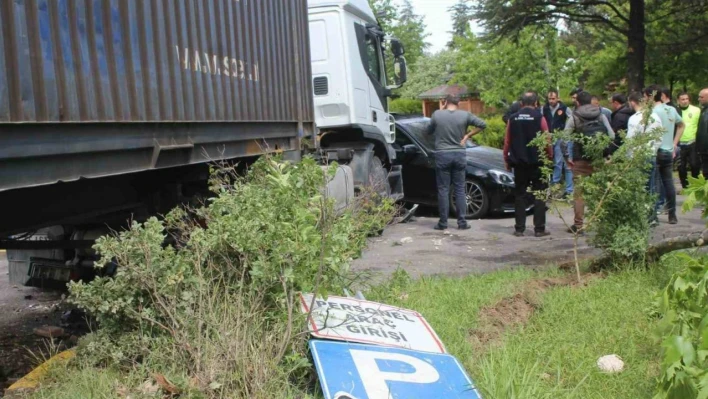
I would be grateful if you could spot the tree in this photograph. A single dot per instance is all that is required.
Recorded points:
(385, 12)
(410, 30)
(628, 18)
(503, 70)
(404, 24)
(461, 16)
(429, 71)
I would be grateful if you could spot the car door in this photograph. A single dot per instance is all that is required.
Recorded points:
(418, 169)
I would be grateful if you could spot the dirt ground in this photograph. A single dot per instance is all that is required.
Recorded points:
(489, 245)
(22, 309)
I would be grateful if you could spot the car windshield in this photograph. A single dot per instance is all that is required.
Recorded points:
(419, 132)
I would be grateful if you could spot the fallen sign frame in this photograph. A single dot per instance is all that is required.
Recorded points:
(355, 320)
(356, 371)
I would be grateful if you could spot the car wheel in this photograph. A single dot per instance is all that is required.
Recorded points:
(476, 197)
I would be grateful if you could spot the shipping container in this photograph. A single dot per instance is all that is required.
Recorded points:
(93, 88)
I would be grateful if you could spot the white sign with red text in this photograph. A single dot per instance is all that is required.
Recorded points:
(354, 320)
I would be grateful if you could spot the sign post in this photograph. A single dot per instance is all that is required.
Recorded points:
(354, 320)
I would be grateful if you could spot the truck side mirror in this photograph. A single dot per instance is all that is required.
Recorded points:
(400, 71)
(397, 48)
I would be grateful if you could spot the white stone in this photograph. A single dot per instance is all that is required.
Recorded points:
(610, 364)
(405, 240)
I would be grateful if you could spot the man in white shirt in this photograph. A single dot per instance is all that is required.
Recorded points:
(636, 127)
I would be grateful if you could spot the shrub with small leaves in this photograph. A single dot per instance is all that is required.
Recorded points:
(213, 289)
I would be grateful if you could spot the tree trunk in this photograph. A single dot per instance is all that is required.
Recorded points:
(636, 46)
(654, 252)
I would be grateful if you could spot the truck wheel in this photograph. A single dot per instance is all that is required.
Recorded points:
(378, 178)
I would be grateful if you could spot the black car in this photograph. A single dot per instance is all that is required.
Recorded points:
(489, 186)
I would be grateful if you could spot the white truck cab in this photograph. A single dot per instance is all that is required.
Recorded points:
(349, 81)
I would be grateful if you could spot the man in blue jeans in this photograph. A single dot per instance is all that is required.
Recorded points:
(556, 114)
(449, 126)
(671, 122)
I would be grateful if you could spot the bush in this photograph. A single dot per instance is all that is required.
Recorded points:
(684, 332)
(683, 309)
(406, 106)
(493, 135)
(619, 207)
(210, 293)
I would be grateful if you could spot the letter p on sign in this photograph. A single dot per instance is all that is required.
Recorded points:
(373, 372)
(376, 381)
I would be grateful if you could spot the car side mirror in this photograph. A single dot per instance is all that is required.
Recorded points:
(410, 149)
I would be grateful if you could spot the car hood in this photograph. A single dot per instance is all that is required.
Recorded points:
(486, 157)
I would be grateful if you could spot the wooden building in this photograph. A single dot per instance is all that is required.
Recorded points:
(469, 101)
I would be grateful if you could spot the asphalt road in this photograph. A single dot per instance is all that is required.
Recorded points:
(489, 245)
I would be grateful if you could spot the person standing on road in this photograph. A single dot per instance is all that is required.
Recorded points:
(635, 127)
(556, 115)
(586, 121)
(524, 160)
(605, 111)
(687, 145)
(702, 134)
(620, 117)
(672, 123)
(449, 126)
(513, 108)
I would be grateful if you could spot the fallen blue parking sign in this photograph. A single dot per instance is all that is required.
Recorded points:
(356, 371)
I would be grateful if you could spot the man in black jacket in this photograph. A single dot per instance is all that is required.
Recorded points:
(522, 128)
(556, 114)
(620, 117)
(702, 134)
(513, 108)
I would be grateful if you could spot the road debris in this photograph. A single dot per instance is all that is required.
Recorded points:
(404, 240)
(49, 332)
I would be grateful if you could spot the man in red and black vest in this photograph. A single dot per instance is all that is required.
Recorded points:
(523, 127)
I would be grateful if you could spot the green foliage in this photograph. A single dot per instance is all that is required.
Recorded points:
(552, 354)
(696, 193)
(406, 106)
(607, 34)
(619, 207)
(428, 72)
(683, 307)
(493, 135)
(617, 199)
(684, 331)
(403, 23)
(504, 69)
(211, 291)
(461, 16)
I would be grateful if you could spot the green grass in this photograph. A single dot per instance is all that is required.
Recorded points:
(570, 330)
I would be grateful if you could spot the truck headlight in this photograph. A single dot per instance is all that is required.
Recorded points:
(502, 177)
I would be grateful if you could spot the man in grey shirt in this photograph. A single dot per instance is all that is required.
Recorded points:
(449, 126)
